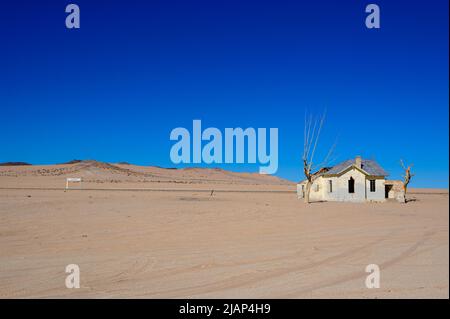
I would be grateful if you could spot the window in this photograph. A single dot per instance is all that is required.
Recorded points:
(330, 186)
(372, 185)
(351, 185)
(317, 187)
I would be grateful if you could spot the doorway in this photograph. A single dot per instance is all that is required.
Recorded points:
(387, 189)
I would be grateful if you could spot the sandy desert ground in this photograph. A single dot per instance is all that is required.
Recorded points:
(148, 232)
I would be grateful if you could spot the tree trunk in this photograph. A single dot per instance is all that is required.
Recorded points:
(405, 188)
(307, 191)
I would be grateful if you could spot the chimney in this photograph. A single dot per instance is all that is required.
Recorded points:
(358, 161)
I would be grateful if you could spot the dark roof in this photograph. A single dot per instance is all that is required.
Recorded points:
(369, 166)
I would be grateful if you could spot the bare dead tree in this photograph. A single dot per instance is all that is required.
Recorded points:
(407, 177)
(312, 130)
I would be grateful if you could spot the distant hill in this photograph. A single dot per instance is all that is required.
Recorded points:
(15, 164)
(95, 171)
(75, 161)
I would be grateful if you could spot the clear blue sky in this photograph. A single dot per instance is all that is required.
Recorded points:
(114, 89)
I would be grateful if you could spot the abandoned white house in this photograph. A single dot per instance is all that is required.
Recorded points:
(354, 180)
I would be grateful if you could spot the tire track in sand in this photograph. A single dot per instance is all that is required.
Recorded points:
(361, 274)
(251, 278)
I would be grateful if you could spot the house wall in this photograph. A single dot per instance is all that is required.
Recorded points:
(315, 194)
(299, 190)
(379, 194)
(340, 188)
(397, 192)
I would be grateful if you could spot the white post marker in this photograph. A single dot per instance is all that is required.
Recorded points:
(74, 180)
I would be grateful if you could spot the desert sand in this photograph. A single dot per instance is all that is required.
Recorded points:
(149, 232)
